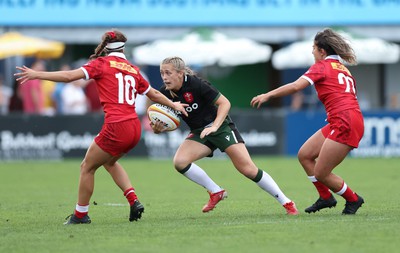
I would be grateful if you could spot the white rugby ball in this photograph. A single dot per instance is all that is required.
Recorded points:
(165, 114)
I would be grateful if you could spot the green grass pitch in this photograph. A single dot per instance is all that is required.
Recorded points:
(35, 197)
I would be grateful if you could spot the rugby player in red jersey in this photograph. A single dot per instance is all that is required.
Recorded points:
(327, 148)
(118, 83)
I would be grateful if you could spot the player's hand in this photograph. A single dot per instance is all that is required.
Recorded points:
(257, 101)
(25, 74)
(157, 127)
(207, 131)
(178, 106)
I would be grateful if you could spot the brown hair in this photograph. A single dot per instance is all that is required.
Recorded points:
(334, 44)
(179, 65)
(108, 37)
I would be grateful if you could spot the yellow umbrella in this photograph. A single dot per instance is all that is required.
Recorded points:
(15, 44)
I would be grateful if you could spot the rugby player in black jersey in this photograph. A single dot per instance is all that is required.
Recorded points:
(210, 128)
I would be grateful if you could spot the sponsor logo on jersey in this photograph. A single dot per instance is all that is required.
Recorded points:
(188, 96)
(228, 138)
(340, 67)
(122, 66)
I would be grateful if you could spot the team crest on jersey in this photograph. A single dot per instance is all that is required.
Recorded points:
(188, 96)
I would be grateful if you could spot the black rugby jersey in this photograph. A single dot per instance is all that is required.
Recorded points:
(201, 97)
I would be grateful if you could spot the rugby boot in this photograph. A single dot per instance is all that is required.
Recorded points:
(214, 199)
(321, 204)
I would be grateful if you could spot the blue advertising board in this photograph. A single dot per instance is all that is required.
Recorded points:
(381, 132)
(198, 12)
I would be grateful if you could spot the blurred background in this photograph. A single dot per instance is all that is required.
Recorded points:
(244, 47)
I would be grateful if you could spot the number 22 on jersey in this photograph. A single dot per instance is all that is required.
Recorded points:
(348, 81)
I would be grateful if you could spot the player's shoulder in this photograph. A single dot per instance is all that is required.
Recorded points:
(164, 91)
(197, 82)
(317, 68)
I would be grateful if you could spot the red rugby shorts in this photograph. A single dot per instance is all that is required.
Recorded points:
(119, 137)
(345, 127)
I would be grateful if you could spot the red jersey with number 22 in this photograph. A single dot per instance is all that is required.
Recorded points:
(335, 86)
(118, 83)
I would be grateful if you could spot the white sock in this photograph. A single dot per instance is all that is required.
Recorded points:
(199, 176)
(269, 185)
(342, 190)
(312, 179)
(82, 209)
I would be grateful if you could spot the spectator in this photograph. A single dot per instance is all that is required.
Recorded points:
(31, 92)
(15, 104)
(73, 98)
(56, 95)
(49, 107)
(92, 96)
(5, 94)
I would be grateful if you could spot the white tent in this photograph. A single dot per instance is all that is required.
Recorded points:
(204, 47)
(368, 51)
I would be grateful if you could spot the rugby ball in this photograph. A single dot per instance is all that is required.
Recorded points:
(165, 114)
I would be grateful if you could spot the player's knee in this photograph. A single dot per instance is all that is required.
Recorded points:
(303, 156)
(320, 176)
(180, 163)
(248, 170)
(87, 168)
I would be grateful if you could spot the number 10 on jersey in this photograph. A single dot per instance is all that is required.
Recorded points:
(125, 93)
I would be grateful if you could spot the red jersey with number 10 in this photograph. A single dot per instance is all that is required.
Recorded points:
(335, 86)
(118, 83)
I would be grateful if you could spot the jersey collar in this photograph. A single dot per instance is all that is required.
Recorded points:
(117, 54)
(333, 57)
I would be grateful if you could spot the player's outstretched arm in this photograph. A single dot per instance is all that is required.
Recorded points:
(26, 74)
(282, 91)
(156, 96)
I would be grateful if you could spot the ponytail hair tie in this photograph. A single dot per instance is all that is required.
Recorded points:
(112, 34)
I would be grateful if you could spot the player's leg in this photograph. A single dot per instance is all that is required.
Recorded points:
(331, 155)
(118, 173)
(189, 152)
(94, 158)
(242, 161)
(307, 156)
(126, 136)
(121, 179)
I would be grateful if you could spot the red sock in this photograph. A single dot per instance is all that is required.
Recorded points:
(347, 193)
(130, 195)
(81, 210)
(323, 190)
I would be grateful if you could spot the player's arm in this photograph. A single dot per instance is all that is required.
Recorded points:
(156, 96)
(224, 106)
(284, 90)
(55, 76)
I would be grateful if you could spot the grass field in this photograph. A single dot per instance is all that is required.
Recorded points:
(35, 197)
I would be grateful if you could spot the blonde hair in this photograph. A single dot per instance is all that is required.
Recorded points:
(334, 44)
(179, 65)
